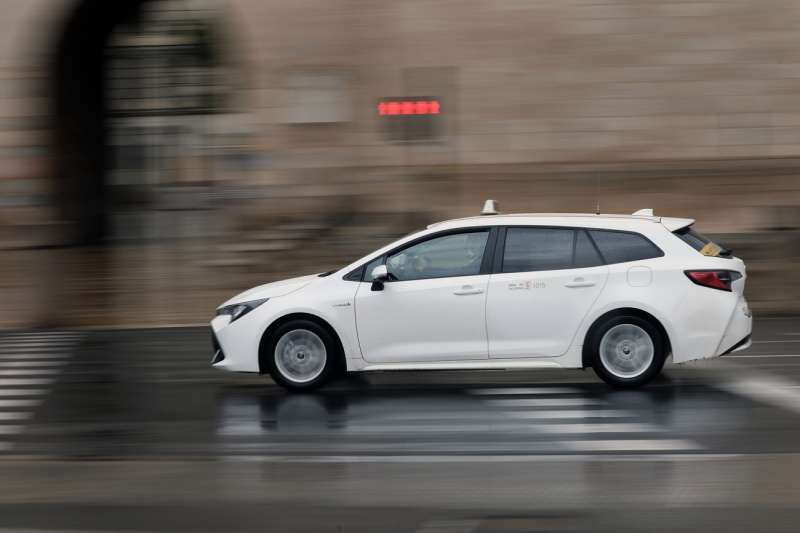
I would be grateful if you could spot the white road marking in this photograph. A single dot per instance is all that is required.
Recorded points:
(768, 389)
(621, 427)
(22, 392)
(524, 447)
(641, 445)
(579, 413)
(14, 415)
(23, 357)
(11, 382)
(499, 415)
(16, 402)
(777, 342)
(542, 402)
(765, 356)
(472, 459)
(23, 345)
(30, 364)
(449, 526)
(488, 428)
(28, 372)
(525, 390)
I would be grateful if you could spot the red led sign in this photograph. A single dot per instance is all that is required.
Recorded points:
(408, 107)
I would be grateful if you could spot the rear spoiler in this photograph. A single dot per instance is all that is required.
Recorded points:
(672, 224)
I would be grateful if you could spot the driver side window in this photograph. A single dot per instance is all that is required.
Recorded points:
(458, 254)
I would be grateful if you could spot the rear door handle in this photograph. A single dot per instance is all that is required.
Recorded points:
(467, 289)
(579, 282)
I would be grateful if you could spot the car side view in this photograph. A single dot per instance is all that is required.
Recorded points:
(617, 293)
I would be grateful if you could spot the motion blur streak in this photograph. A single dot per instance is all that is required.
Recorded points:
(157, 156)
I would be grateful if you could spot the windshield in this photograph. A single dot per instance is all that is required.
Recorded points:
(701, 243)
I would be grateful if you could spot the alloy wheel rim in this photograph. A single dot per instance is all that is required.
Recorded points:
(300, 355)
(626, 351)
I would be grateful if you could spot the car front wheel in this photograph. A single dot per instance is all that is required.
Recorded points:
(302, 355)
(627, 351)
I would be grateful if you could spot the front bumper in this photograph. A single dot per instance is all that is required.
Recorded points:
(219, 354)
(235, 344)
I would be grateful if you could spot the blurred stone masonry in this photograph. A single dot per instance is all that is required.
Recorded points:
(158, 156)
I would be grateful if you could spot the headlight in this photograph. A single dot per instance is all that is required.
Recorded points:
(239, 310)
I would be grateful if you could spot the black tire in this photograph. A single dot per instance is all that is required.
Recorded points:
(614, 376)
(279, 371)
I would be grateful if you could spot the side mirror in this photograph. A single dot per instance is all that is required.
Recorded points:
(380, 274)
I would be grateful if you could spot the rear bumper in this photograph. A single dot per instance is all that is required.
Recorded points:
(737, 334)
(743, 344)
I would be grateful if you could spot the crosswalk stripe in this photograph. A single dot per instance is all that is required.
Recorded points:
(436, 447)
(633, 445)
(26, 360)
(19, 402)
(581, 413)
(499, 415)
(12, 382)
(542, 402)
(523, 391)
(43, 334)
(30, 364)
(506, 427)
(22, 392)
(14, 415)
(7, 346)
(28, 372)
(23, 357)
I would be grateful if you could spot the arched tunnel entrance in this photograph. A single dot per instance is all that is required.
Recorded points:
(133, 85)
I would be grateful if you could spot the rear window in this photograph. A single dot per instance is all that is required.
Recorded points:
(621, 247)
(699, 242)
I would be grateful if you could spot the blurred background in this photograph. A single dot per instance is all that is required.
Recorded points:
(158, 156)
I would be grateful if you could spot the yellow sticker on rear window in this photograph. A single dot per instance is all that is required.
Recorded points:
(711, 249)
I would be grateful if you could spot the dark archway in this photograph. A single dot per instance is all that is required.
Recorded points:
(80, 128)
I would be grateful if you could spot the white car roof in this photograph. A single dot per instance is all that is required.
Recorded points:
(565, 219)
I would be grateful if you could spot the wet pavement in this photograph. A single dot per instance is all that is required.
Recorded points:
(130, 430)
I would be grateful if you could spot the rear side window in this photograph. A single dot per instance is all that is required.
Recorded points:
(699, 242)
(532, 249)
(585, 252)
(621, 247)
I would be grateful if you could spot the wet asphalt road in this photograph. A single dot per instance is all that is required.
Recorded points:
(132, 431)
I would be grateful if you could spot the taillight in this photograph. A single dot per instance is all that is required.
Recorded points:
(713, 279)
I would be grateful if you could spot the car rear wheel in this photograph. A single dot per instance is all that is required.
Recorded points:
(627, 351)
(302, 355)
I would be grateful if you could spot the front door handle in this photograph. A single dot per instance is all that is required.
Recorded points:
(467, 289)
(579, 282)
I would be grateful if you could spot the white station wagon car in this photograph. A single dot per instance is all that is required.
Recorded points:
(618, 293)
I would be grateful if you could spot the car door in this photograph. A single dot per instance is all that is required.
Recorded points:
(545, 282)
(434, 307)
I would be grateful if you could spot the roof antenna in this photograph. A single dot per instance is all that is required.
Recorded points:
(597, 209)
